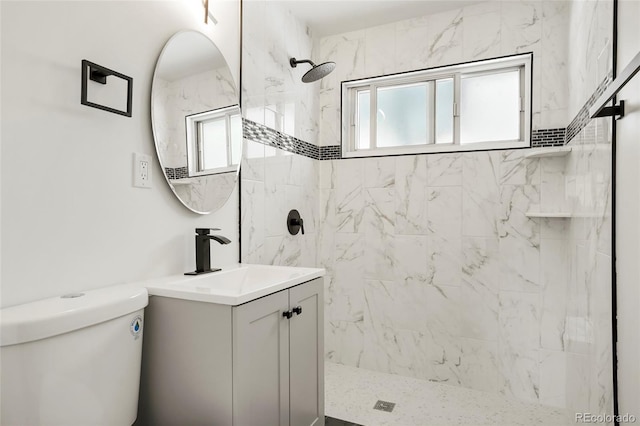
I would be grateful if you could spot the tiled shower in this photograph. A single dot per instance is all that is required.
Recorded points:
(435, 270)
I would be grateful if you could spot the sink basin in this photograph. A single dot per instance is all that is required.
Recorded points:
(234, 285)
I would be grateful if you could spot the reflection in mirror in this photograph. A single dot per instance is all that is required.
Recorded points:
(214, 139)
(196, 119)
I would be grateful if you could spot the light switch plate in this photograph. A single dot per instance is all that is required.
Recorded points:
(141, 170)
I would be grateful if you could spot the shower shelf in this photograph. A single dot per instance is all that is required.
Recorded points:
(560, 151)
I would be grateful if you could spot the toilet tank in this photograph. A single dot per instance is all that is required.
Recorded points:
(72, 360)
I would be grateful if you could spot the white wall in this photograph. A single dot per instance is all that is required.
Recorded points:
(70, 218)
(628, 215)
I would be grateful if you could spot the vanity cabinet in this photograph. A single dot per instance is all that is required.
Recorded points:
(259, 363)
(278, 362)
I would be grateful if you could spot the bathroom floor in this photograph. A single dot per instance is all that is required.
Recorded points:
(351, 393)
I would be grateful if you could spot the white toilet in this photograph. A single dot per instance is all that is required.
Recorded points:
(72, 360)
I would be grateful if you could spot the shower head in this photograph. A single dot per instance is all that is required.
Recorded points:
(316, 72)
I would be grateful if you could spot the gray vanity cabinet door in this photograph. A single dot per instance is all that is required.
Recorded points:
(186, 364)
(306, 354)
(261, 362)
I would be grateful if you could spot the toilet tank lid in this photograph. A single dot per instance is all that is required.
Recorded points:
(58, 315)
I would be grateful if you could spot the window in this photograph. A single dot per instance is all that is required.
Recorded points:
(214, 141)
(472, 106)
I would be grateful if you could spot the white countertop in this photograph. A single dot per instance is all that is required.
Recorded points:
(233, 285)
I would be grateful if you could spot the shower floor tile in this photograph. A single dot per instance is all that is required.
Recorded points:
(351, 393)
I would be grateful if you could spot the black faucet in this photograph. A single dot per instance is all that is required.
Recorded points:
(203, 250)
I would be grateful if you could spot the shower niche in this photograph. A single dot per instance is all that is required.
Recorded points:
(555, 204)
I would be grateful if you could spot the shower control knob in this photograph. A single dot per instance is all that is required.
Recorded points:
(295, 222)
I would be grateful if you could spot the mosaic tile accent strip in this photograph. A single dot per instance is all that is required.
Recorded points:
(267, 136)
(548, 137)
(582, 118)
(331, 152)
(539, 138)
(176, 173)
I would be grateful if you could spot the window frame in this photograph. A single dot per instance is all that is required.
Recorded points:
(351, 88)
(194, 137)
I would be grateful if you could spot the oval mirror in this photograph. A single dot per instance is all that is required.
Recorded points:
(197, 126)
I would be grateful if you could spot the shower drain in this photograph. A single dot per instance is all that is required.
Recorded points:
(384, 406)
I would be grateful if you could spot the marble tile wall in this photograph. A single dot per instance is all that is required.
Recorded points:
(581, 311)
(481, 31)
(272, 92)
(433, 268)
(589, 55)
(587, 186)
(206, 193)
(434, 271)
(274, 180)
(173, 100)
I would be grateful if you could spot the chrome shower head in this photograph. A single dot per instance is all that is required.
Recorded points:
(316, 72)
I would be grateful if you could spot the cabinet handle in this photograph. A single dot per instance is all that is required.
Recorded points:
(297, 310)
(287, 314)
